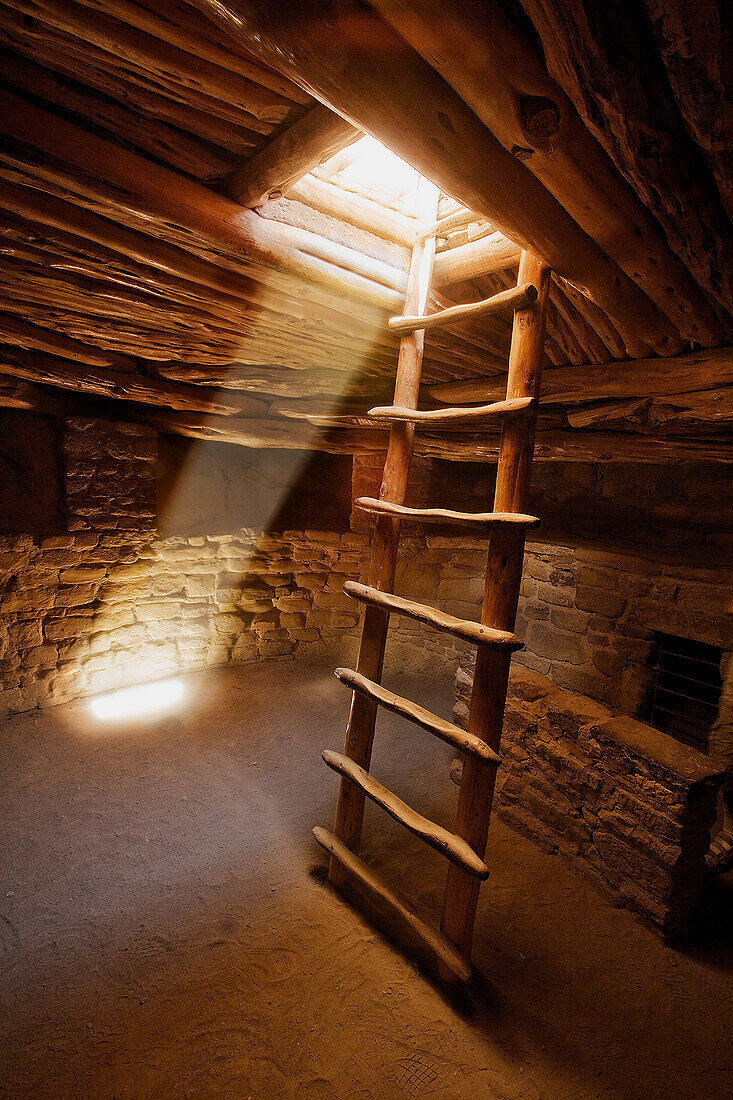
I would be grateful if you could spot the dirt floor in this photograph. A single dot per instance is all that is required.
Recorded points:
(167, 932)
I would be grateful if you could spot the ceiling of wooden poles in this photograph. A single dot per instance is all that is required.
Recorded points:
(194, 225)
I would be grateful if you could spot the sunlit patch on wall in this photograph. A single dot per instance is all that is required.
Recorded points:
(137, 701)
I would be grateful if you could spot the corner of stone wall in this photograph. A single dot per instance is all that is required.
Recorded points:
(623, 804)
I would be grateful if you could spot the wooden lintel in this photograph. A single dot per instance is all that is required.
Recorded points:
(577, 385)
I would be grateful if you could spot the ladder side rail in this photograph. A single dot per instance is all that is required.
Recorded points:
(360, 730)
(501, 595)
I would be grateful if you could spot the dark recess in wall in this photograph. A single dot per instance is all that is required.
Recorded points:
(30, 490)
(208, 488)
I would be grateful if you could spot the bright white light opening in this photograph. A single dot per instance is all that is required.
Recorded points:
(134, 702)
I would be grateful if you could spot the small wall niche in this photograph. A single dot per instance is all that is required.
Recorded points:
(684, 692)
(30, 484)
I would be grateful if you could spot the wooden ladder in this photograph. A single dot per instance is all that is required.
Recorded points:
(464, 848)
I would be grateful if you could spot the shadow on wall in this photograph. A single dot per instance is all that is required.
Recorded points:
(106, 597)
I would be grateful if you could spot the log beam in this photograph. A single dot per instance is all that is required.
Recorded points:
(268, 174)
(504, 80)
(356, 64)
(574, 385)
(471, 261)
(51, 370)
(364, 213)
(618, 85)
(98, 169)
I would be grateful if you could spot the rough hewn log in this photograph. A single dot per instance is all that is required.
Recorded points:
(586, 446)
(452, 847)
(389, 911)
(457, 220)
(504, 80)
(156, 56)
(356, 64)
(51, 370)
(157, 194)
(413, 712)
(603, 325)
(480, 522)
(299, 216)
(469, 631)
(618, 85)
(701, 370)
(308, 141)
(21, 334)
(469, 261)
(158, 100)
(16, 394)
(696, 49)
(506, 409)
(364, 213)
(591, 343)
(181, 26)
(233, 287)
(170, 144)
(709, 412)
(257, 432)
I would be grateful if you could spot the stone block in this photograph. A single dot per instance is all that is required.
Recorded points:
(201, 586)
(600, 601)
(23, 635)
(608, 661)
(545, 640)
(81, 574)
(570, 619)
(146, 612)
(578, 679)
(557, 597)
(598, 578)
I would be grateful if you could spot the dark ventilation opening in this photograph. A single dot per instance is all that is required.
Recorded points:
(685, 690)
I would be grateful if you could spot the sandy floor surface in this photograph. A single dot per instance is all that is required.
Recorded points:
(166, 931)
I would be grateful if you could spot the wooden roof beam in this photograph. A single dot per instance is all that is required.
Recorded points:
(162, 200)
(297, 150)
(622, 93)
(364, 213)
(576, 385)
(352, 60)
(505, 81)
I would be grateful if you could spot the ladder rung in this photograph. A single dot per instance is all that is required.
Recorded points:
(454, 418)
(475, 633)
(446, 515)
(389, 906)
(518, 297)
(435, 836)
(413, 712)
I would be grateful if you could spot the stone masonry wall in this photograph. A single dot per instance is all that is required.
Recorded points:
(109, 602)
(626, 806)
(587, 615)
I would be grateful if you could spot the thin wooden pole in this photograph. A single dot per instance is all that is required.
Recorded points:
(501, 593)
(360, 730)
